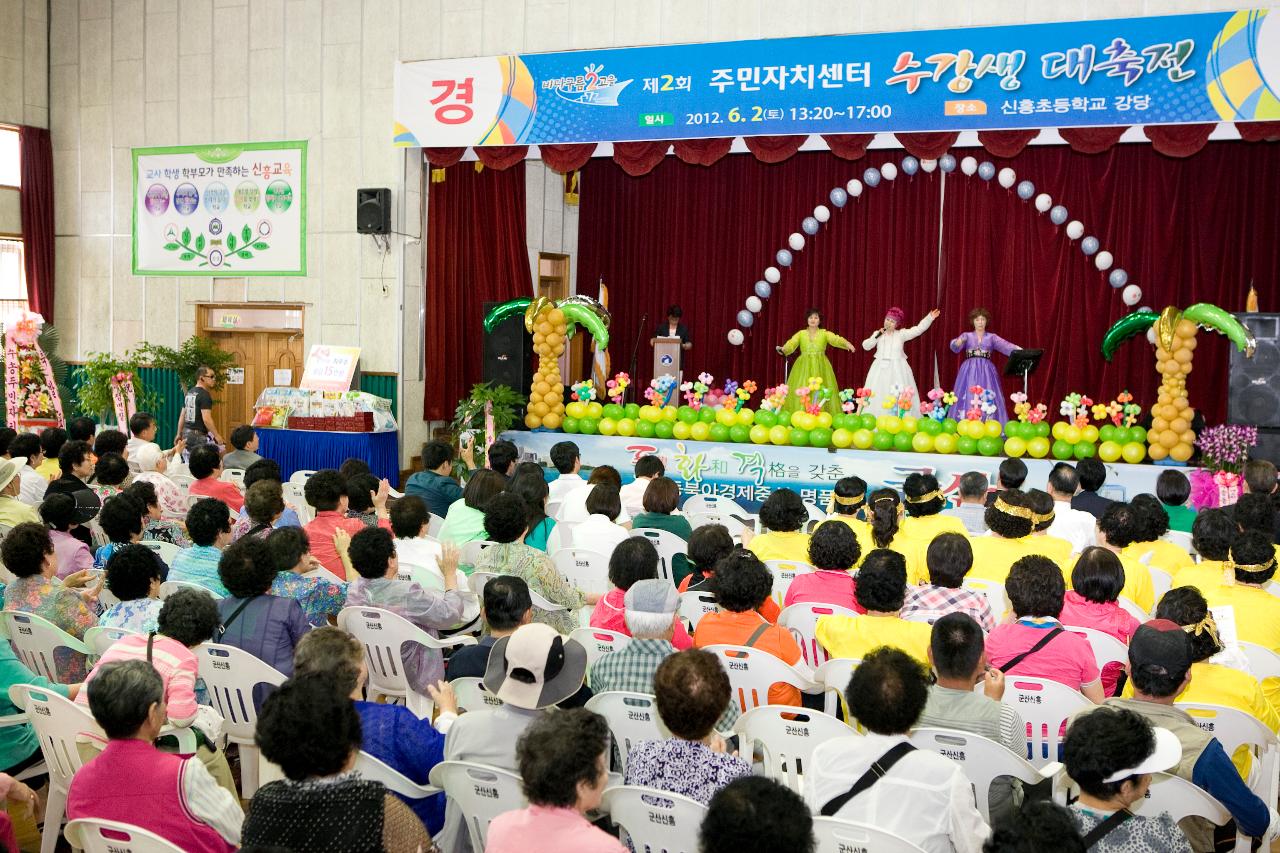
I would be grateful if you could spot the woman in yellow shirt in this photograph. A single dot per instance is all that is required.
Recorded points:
(924, 503)
(1256, 611)
(881, 589)
(1054, 547)
(1153, 523)
(1211, 536)
(1116, 531)
(848, 501)
(1010, 520)
(784, 515)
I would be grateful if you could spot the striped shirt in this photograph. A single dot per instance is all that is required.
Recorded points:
(175, 663)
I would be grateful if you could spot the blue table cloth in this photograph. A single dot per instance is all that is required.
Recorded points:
(298, 449)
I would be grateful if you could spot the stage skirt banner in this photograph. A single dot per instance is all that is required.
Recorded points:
(220, 209)
(748, 473)
(1155, 70)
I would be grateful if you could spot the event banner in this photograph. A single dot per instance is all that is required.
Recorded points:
(1155, 70)
(748, 473)
(220, 209)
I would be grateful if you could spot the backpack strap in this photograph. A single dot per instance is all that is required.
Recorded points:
(235, 614)
(1106, 827)
(755, 636)
(878, 768)
(1044, 641)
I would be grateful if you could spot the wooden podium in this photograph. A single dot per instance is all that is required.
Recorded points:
(666, 358)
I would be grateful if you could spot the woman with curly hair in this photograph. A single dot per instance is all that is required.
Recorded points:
(833, 551)
(924, 505)
(783, 515)
(1153, 524)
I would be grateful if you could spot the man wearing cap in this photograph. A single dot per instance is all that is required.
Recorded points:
(530, 670)
(1160, 658)
(13, 511)
(650, 609)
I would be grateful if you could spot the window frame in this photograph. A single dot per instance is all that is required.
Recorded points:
(17, 131)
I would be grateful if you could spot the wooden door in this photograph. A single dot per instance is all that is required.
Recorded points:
(259, 351)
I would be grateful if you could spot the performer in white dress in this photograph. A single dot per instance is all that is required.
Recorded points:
(890, 367)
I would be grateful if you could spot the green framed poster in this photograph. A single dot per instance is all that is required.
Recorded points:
(220, 210)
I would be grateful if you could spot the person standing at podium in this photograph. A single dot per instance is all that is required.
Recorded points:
(673, 328)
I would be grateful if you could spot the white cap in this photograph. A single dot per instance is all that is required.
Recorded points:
(1166, 755)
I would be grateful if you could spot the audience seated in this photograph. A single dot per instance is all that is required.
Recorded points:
(174, 797)
(60, 513)
(27, 446)
(326, 490)
(12, 510)
(564, 770)
(502, 456)
(390, 733)
(881, 592)
(156, 528)
(245, 441)
(1211, 536)
(602, 531)
(573, 509)
(1010, 477)
(742, 583)
(264, 469)
(209, 525)
(756, 814)
(914, 793)
(833, 551)
(648, 468)
(660, 502)
(321, 599)
(1043, 509)
(206, 466)
(567, 460)
(1160, 660)
(70, 603)
(310, 728)
(971, 507)
(1092, 474)
(530, 671)
(51, 443)
(134, 576)
(1255, 610)
(362, 491)
(633, 560)
(506, 606)
(1040, 825)
(110, 441)
(505, 524)
(1173, 490)
(1153, 524)
(708, 545)
(264, 625)
(848, 502)
(959, 663)
(151, 469)
(948, 559)
(1117, 530)
(924, 503)
(121, 520)
(435, 484)
(529, 484)
(1092, 602)
(1010, 520)
(1257, 511)
(264, 504)
(1036, 644)
(692, 691)
(783, 515)
(1074, 525)
(409, 521)
(142, 433)
(465, 520)
(109, 475)
(1260, 477)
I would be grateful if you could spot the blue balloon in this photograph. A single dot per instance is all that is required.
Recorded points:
(1089, 245)
(947, 162)
(839, 197)
(1057, 214)
(1026, 190)
(784, 258)
(986, 170)
(809, 226)
(910, 165)
(763, 289)
(871, 177)
(1118, 278)
(746, 318)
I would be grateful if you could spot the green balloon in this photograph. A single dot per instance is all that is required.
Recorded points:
(867, 422)
(881, 440)
(707, 414)
(784, 418)
(989, 445)
(837, 422)
(966, 445)
(662, 429)
(1085, 450)
(949, 425)
(1042, 429)
(719, 432)
(1110, 433)
(799, 437)
(1011, 429)
(570, 425)
(819, 437)
(687, 414)
(930, 427)
(902, 442)
(632, 410)
(766, 419)
(644, 429)
(738, 432)
(1138, 434)
(614, 411)
(589, 426)
(1061, 450)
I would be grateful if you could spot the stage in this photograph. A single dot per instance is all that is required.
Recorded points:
(747, 473)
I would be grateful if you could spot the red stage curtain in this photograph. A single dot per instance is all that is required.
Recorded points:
(475, 254)
(442, 158)
(639, 158)
(1006, 143)
(502, 156)
(848, 146)
(701, 237)
(1258, 131)
(566, 158)
(1091, 140)
(702, 152)
(774, 149)
(36, 204)
(1178, 140)
(928, 145)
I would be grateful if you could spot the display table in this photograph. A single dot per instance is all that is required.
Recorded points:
(310, 450)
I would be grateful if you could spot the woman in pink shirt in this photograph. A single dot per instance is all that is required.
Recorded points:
(833, 551)
(634, 560)
(1092, 602)
(60, 513)
(206, 466)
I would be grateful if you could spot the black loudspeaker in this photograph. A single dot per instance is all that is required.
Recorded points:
(1253, 396)
(373, 211)
(508, 354)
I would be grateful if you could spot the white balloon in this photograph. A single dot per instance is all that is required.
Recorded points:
(754, 304)
(969, 165)
(1132, 295)
(1151, 336)
(1043, 202)
(1007, 177)
(889, 171)
(928, 165)
(1102, 260)
(772, 275)
(854, 187)
(796, 241)
(1075, 229)
(735, 337)
(822, 213)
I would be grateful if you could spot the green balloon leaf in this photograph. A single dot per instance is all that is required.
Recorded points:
(246, 234)
(260, 246)
(231, 242)
(172, 247)
(199, 242)
(186, 236)
(187, 256)
(244, 254)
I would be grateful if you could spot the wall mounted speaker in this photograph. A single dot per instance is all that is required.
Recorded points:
(1253, 396)
(373, 210)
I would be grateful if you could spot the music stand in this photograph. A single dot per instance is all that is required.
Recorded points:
(1022, 362)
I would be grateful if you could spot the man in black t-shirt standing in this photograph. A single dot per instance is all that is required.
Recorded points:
(196, 422)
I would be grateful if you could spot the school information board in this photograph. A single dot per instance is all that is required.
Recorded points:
(223, 210)
(1174, 69)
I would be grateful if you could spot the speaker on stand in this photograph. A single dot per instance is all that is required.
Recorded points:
(1253, 395)
(508, 356)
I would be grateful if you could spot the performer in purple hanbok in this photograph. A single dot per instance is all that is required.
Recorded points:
(978, 346)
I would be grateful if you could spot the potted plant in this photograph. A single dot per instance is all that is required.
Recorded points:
(1224, 450)
(186, 359)
(105, 380)
(489, 410)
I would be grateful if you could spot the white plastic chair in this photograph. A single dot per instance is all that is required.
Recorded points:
(471, 552)
(713, 505)
(984, 760)
(1263, 662)
(1044, 707)
(694, 605)
(383, 635)
(99, 638)
(234, 476)
(845, 836)
(375, 770)
(801, 619)
(1181, 539)
(585, 570)
(1180, 798)
(1133, 609)
(192, 500)
(993, 592)
(655, 820)
(434, 523)
(752, 671)
(668, 545)
(168, 588)
(1106, 648)
(816, 516)
(600, 642)
(323, 574)
(1161, 582)
(37, 769)
(231, 674)
(420, 575)
(787, 744)
(299, 478)
(1234, 728)
(91, 836)
(480, 792)
(166, 550)
(733, 525)
(784, 572)
(632, 717)
(35, 638)
(473, 695)
(56, 721)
